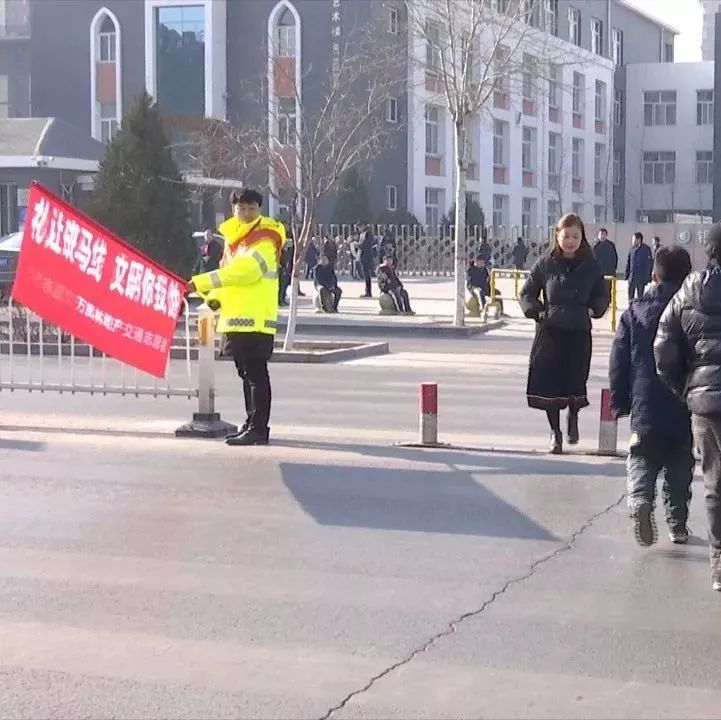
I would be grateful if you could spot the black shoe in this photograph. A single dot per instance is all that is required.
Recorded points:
(573, 437)
(716, 572)
(644, 524)
(678, 533)
(556, 447)
(249, 437)
(301, 294)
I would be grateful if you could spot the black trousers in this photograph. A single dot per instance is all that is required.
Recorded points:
(707, 432)
(251, 353)
(335, 295)
(400, 299)
(368, 277)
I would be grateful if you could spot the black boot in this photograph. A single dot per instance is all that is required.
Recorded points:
(249, 437)
(573, 436)
(556, 447)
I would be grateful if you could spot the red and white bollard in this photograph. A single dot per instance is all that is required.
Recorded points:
(608, 428)
(429, 414)
(428, 427)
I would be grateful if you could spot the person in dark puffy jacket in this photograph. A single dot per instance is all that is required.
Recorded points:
(390, 283)
(563, 292)
(660, 423)
(688, 360)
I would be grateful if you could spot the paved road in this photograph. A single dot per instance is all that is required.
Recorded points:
(333, 574)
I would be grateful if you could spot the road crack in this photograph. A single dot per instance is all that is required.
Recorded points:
(453, 625)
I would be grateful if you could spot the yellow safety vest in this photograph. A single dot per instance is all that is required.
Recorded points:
(246, 284)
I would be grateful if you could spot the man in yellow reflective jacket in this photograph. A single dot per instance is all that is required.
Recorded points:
(245, 286)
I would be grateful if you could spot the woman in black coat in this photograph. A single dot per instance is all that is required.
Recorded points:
(563, 292)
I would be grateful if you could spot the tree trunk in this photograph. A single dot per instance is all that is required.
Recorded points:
(459, 290)
(299, 253)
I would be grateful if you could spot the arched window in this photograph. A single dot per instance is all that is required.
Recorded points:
(107, 41)
(105, 75)
(285, 36)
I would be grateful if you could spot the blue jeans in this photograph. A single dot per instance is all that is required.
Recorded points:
(674, 459)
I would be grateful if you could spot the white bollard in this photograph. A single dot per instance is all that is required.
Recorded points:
(428, 414)
(608, 428)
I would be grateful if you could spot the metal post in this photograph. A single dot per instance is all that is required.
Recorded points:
(206, 423)
(428, 424)
(614, 303)
(608, 428)
(516, 277)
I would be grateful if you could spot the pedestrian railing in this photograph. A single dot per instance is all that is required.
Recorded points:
(41, 357)
(519, 276)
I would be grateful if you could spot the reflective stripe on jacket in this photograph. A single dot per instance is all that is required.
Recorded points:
(246, 285)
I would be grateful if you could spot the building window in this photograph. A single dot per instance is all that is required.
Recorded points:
(500, 138)
(392, 110)
(574, 26)
(501, 56)
(529, 69)
(554, 87)
(286, 121)
(432, 127)
(391, 197)
(108, 121)
(616, 167)
(579, 90)
(617, 46)
(180, 60)
(551, 10)
(668, 52)
(500, 211)
(577, 163)
(528, 214)
(433, 46)
(434, 199)
(596, 36)
(617, 107)
(501, 6)
(600, 102)
(106, 41)
(554, 159)
(285, 35)
(659, 168)
(599, 160)
(553, 209)
(599, 213)
(4, 97)
(393, 21)
(577, 208)
(704, 167)
(528, 149)
(704, 107)
(659, 107)
(531, 10)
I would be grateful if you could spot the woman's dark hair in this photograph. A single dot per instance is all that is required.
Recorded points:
(246, 197)
(567, 221)
(672, 265)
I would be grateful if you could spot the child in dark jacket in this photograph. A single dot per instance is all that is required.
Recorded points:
(661, 437)
(478, 280)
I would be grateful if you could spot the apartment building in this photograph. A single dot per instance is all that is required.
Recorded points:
(14, 59)
(670, 127)
(708, 33)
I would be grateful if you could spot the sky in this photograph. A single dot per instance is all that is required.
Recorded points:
(686, 16)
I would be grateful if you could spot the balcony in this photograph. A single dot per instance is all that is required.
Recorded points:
(553, 181)
(598, 188)
(472, 171)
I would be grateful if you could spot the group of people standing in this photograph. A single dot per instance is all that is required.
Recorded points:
(664, 370)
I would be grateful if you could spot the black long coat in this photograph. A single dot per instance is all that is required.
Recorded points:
(562, 296)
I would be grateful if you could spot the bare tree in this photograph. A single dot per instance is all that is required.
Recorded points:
(476, 51)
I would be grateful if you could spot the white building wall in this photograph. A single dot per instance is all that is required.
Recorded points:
(710, 8)
(684, 138)
(592, 67)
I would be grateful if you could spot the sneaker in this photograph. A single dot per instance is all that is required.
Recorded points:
(241, 431)
(716, 572)
(678, 533)
(644, 524)
(556, 447)
(249, 437)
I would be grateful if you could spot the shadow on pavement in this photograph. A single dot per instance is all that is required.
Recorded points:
(23, 445)
(494, 462)
(446, 502)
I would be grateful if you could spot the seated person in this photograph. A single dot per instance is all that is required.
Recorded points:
(390, 283)
(326, 282)
(478, 280)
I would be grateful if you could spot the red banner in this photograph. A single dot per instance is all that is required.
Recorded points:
(76, 274)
